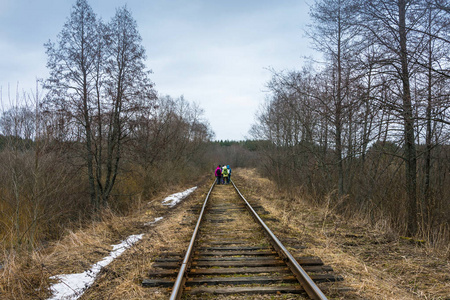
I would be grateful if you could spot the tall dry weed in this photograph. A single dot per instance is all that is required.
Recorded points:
(24, 276)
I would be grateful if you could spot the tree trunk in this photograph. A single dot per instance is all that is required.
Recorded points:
(89, 154)
(410, 147)
(338, 116)
(428, 139)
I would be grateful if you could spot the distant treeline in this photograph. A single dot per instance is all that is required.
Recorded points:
(250, 145)
(235, 153)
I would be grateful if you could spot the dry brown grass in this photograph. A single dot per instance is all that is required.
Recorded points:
(375, 263)
(26, 275)
(22, 277)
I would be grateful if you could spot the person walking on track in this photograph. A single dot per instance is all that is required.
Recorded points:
(225, 175)
(218, 174)
(229, 173)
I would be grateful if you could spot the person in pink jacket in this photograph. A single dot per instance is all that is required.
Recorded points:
(219, 174)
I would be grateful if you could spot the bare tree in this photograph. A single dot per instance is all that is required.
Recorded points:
(431, 80)
(168, 138)
(389, 24)
(127, 91)
(333, 32)
(98, 82)
(72, 64)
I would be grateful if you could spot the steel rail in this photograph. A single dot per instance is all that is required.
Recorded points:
(177, 288)
(308, 284)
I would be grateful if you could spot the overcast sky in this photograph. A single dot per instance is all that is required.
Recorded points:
(215, 53)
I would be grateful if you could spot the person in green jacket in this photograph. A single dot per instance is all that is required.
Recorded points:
(225, 174)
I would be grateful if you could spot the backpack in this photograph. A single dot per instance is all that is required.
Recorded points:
(225, 172)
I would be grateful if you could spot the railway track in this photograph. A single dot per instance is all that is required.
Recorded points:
(232, 251)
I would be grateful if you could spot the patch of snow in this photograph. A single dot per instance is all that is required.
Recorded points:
(174, 199)
(72, 286)
(153, 222)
